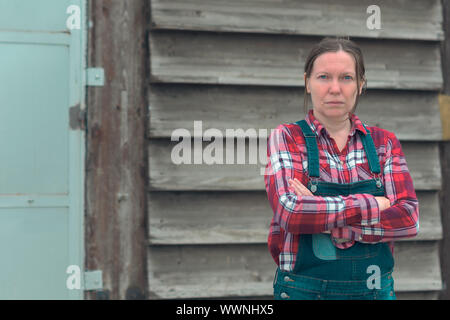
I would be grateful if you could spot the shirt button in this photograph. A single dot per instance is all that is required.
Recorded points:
(284, 295)
(391, 293)
(287, 279)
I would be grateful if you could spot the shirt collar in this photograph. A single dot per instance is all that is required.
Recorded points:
(320, 130)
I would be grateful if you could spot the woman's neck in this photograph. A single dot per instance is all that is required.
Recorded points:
(334, 126)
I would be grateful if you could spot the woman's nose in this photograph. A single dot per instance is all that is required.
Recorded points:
(335, 86)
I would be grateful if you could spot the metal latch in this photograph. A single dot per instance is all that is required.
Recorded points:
(93, 280)
(95, 77)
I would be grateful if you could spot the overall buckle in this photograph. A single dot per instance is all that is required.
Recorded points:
(314, 183)
(378, 180)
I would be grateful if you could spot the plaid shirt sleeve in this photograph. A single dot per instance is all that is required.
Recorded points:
(401, 220)
(308, 214)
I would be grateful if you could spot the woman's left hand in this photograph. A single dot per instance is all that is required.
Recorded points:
(299, 188)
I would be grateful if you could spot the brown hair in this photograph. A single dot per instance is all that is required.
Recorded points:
(334, 45)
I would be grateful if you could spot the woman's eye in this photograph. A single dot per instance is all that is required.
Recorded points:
(324, 76)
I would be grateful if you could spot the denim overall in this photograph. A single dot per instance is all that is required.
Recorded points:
(323, 271)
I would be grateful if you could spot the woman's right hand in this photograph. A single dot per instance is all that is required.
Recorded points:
(383, 203)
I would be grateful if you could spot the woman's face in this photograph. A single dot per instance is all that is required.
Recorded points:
(332, 84)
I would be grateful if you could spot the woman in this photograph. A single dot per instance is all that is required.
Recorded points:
(340, 190)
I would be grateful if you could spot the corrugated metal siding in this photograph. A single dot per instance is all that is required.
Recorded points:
(239, 64)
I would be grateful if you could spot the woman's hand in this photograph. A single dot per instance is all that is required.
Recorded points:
(383, 203)
(299, 188)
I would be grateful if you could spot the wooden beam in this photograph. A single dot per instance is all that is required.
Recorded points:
(445, 158)
(116, 198)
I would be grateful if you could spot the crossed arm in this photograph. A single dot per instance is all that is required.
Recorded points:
(301, 190)
(359, 217)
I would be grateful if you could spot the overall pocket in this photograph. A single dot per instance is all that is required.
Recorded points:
(359, 251)
(324, 249)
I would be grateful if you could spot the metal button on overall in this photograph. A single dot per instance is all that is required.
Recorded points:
(284, 295)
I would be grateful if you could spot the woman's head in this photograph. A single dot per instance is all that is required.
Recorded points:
(334, 71)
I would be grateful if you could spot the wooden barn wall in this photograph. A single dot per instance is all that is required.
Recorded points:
(238, 64)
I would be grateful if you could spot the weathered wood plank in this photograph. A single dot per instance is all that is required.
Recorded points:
(164, 174)
(240, 217)
(418, 20)
(115, 231)
(256, 59)
(417, 266)
(244, 107)
(248, 270)
(431, 295)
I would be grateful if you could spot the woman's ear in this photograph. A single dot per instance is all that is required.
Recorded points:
(361, 86)
(306, 82)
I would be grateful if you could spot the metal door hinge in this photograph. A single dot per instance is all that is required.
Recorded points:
(93, 280)
(95, 77)
(77, 118)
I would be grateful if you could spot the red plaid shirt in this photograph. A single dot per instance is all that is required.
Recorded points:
(355, 217)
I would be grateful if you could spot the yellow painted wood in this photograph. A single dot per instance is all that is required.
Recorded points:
(444, 106)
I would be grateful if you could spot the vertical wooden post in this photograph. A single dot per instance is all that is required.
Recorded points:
(116, 181)
(445, 162)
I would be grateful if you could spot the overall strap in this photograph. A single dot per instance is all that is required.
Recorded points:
(371, 152)
(311, 146)
(313, 151)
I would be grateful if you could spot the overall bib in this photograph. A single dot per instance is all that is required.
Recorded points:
(323, 271)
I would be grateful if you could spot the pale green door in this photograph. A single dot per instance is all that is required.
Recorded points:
(42, 150)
